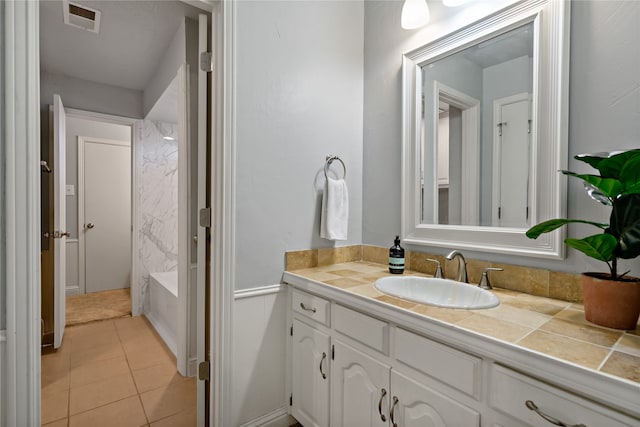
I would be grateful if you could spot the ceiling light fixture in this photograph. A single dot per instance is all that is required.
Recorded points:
(415, 14)
(454, 3)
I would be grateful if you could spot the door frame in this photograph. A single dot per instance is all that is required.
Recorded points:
(133, 125)
(82, 265)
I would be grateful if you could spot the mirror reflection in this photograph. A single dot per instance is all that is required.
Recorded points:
(476, 133)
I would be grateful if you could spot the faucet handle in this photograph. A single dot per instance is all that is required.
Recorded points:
(438, 273)
(484, 280)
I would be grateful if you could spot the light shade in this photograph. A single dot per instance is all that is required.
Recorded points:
(454, 3)
(415, 14)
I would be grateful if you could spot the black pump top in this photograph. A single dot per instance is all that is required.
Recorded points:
(397, 240)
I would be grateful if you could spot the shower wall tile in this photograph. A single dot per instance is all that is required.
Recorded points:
(157, 193)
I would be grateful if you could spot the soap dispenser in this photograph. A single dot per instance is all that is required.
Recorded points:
(396, 257)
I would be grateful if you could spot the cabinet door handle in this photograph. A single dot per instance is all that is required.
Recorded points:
(532, 406)
(304, 307)
(324, 356)
(393, 411)
(382, 395)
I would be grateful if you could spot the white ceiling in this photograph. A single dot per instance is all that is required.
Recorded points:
(132, 40)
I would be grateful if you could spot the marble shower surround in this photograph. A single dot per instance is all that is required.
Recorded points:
(534, 281)
(157, 193)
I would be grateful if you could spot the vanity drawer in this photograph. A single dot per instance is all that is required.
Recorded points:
(511, 390)
(450, 366)
(362, 328)
(311, 306)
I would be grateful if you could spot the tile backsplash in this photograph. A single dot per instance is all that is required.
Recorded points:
(534, 281)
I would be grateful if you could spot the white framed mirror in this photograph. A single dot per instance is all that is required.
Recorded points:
(485, 129)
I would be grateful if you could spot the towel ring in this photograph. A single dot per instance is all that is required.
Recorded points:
(330, 158)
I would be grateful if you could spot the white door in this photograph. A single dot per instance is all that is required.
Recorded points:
(310, 376)
(59, 220)
(359, 389)
(415, 405)
(511, 195)
(105, 187)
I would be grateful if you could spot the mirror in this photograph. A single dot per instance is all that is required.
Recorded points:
(485, 132)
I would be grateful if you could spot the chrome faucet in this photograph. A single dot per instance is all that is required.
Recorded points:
(462, 265)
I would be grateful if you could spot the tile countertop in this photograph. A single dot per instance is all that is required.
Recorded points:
(553, 327)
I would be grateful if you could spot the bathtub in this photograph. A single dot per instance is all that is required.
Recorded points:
(162, 309)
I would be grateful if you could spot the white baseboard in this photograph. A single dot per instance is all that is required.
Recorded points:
(192, 367)
(276, 418)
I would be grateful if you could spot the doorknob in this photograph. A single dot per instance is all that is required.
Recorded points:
(90, 225)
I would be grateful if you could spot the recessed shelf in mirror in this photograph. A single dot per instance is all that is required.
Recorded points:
(485, 132)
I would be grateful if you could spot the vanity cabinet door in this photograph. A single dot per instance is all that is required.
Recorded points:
(359, 389)
(416, 405)
(310, 375)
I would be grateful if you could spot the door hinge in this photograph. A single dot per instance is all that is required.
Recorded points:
(291, 330)
(291, 399)
(203, 370)
(205, 217)
(206, 62)
(333, 352)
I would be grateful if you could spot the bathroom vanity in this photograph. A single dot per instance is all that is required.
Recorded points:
(359, 357)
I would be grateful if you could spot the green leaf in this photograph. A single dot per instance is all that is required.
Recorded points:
(625, 225)
(552, 224)
(592, 160)
(610, 187)
(613, 166)
(630, 174)
(598, 246)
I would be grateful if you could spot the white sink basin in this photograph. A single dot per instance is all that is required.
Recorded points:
(439, 292)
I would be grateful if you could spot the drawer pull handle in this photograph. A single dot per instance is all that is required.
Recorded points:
(532, 406)
(393, 411)
(382, 395)
(324, 356)
(304, 307)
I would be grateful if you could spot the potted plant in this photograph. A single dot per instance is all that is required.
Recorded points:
(610, 299)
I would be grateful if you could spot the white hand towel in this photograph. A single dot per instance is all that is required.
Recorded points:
(334, 218)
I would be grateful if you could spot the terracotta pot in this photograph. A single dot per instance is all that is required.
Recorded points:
(611, 303)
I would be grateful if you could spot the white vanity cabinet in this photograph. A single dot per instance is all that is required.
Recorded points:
(310, 354)
(350, 369)
(359, 389)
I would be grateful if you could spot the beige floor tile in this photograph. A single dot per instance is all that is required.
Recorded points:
(123, 413)
(623, 365)
(156, 376)
(565, 348)
(54, 405)
(146, 353)
(100, 338)
(493, 327)
(163, 402)
(60, 423)
(188, 418)
(629, 344)
(97, 371)
(591, 334)
(97, 353)
(89, 329)
(54, 373)
(101, 393)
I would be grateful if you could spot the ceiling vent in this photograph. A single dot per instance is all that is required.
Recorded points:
(81, 16)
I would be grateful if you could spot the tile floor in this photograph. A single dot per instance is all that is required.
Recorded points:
(115, 373)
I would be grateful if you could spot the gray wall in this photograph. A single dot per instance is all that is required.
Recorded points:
(3, 285)
(604, 112)
(90, 96)
(299, 98)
